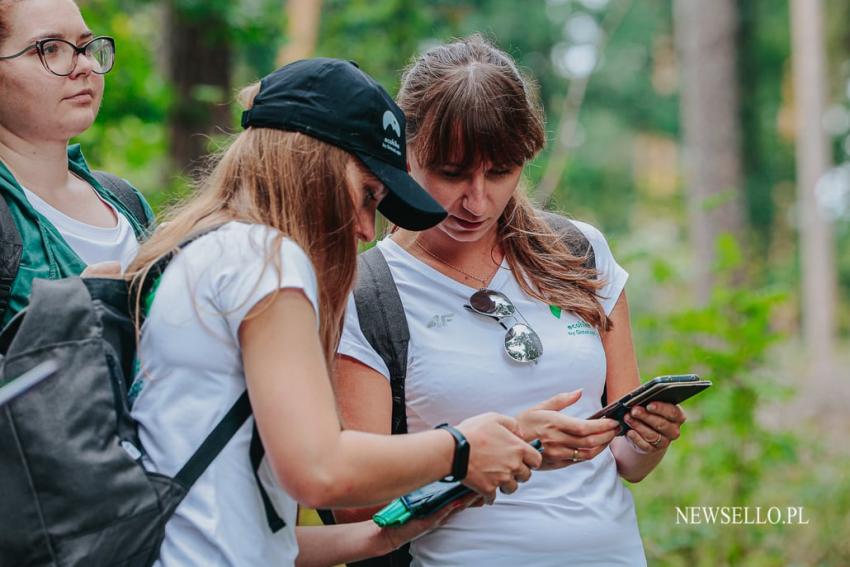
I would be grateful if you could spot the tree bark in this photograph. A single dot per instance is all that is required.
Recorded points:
(199, 70)
(303, 17)
(706, 38)
(817, 264)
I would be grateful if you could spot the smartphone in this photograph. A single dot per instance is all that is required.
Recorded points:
(426, 500)
(672, 389)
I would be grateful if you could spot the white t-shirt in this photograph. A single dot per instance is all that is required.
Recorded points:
(457, 368)
(91, 243)
(192, 374)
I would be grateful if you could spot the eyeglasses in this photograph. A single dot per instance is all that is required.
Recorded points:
(522, 344)
(60, 57)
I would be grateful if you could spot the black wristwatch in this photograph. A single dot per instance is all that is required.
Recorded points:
(460, 463)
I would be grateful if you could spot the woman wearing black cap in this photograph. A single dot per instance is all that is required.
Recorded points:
(257, 303)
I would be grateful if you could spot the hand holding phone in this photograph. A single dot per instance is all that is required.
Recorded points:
(672, 389)
(425, 501)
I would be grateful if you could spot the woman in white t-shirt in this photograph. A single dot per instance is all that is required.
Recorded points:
(52, 69)
(257, 302)
(473, 123)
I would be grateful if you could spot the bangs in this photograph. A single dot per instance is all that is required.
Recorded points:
(477, 115)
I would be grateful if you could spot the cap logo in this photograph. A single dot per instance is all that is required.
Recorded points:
(391, 122)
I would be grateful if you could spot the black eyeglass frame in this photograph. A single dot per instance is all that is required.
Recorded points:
(81, 50)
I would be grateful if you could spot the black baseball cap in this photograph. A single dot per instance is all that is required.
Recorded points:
(336, 102)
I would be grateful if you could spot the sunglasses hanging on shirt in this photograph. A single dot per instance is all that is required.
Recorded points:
(522, 343)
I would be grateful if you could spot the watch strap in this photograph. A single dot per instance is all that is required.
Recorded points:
(460, 462)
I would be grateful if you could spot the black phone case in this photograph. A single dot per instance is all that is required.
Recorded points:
(430, 498)
(677, 390)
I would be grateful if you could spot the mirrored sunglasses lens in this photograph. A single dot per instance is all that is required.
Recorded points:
(490, 302)
(522, 343)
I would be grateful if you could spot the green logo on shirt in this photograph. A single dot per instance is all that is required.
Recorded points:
(573, 329)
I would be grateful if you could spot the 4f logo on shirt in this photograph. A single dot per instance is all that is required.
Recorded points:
(441, 320)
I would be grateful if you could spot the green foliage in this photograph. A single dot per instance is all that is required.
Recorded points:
(383, 35)
(130, 135)
(726, 455)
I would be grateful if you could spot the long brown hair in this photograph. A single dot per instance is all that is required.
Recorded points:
(285, 180)
(466, 102)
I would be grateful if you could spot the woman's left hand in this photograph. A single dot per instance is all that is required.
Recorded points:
(398, 536)
(653, 428)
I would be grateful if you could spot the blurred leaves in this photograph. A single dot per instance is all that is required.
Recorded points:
(726, 456)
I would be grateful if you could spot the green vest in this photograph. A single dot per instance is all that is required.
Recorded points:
(45, 253)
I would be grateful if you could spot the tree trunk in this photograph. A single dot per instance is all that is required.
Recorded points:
(302, 30)
(706, 37)
(817, 264)
(199, 71)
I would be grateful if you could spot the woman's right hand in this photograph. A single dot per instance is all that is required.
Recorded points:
(566, 440)
(499, 458)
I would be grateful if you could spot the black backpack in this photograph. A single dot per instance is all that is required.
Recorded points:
(11, 246)
(381, 316)
(74, 491)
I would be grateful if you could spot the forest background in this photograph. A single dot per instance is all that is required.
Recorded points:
(710, 141)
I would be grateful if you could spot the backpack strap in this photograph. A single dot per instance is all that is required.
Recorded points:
(125, 193)
(572, 236)
(274, 521)
(215, 442)
(11, 248)
(384, 324)
(229, 424)
(151, 281)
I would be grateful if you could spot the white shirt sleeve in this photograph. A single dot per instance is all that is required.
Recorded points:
(609, 270)
(249, 277)
(354, 344)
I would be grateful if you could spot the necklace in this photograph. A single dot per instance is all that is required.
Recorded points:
(455, 268)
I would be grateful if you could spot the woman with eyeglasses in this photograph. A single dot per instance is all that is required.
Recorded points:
(57, 218)
(502, 313)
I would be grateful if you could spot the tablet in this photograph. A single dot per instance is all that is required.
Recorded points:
(671, 389)
(20, 385)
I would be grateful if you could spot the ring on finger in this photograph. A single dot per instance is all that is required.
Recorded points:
(575, 456)
(657, 442)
